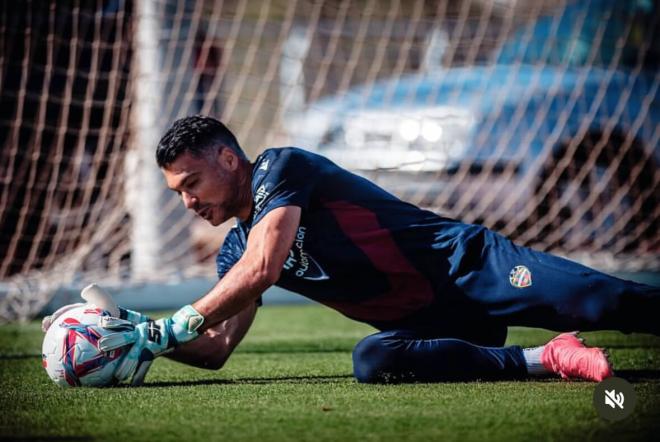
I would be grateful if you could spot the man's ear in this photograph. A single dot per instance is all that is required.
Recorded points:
(227, 158)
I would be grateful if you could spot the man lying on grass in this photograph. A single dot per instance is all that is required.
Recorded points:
(442, 293)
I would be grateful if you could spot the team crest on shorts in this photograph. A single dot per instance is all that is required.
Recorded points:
(520, 277)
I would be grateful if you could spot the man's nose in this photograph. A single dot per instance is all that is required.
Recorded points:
(188, 200)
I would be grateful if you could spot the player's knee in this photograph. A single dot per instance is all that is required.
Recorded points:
(374, 360)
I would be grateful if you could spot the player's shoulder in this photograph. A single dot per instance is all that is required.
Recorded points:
(285, 152)
(281, 158)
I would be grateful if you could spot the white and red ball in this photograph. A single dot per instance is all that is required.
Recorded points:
(70, 352)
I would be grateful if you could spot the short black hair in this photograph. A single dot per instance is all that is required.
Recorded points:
(195, 134)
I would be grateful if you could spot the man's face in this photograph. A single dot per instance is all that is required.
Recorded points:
(209, 185)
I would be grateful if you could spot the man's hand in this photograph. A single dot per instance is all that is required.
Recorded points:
(148, 339)
(93, 294)
(48, 320)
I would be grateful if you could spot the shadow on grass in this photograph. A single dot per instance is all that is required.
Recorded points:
(638, 375)
(291, 350)
(633, 376)
(252, 381)
(19, 356)
(49, 438)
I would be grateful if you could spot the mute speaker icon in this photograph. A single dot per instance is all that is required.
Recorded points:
(613, 399)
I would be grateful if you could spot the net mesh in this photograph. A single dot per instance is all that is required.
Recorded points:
(539, 119)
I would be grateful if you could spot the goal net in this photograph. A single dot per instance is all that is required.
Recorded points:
(539, 119)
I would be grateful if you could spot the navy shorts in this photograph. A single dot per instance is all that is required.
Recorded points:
(496, 284)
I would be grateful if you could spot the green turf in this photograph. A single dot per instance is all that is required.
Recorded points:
(291, 380)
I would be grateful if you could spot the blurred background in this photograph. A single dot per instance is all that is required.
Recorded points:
(539, 119)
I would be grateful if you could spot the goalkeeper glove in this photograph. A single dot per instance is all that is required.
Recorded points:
(148, 339)
(93, 294)
(48, 320)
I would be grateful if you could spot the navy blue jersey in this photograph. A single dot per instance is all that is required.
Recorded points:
(358, 249)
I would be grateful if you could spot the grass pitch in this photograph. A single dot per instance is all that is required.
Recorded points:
(291, 380)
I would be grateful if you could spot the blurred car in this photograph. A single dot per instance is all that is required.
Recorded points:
(547, 142)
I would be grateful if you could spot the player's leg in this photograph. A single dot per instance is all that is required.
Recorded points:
(404, 356)
(401, 356)
(524, 287)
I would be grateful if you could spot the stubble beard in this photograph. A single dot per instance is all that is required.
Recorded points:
(242, 198)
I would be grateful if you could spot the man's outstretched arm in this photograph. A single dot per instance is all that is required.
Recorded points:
(260, 266)
(267, 248)
(258, 269)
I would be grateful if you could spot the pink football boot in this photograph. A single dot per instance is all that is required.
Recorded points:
(567, 356)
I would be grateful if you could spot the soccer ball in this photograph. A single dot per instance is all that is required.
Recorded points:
(70, 352)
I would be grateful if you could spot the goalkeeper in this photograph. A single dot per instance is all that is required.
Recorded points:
(440, 292)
